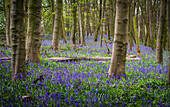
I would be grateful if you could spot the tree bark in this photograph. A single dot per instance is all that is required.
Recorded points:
(99, 23)
(67, 19)
(102, 23)
(74, 22)
(7, 14)
(81, 24)
(150, 21)
(88, 27)
(159, 53)
(18, 39)
(137, 37)
(34, 31)
(62, 25)
(57, 26)
(111, 13)
(52, 11)
(117, 66)
(168, 14)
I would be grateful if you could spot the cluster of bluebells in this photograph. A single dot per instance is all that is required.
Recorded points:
(85, 83)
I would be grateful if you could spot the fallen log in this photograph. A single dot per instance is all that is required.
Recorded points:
(61, 59)
(5, 59)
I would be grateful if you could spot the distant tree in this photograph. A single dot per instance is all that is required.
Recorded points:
(62, 28)
(117, 66)
(34, 30)
(99, 23)
(7, 15)
(18, 39)
(159, 49)
(112, 17)
(57, 26)
(168, 14)
(81, 23)
(74, 22)
(88, 27)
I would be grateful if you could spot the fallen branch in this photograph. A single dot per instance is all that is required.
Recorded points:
(60, 59)
(5, 59)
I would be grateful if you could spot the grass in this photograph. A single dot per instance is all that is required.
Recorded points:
(85, 83)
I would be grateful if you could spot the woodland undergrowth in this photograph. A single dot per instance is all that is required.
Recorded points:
(85, 83)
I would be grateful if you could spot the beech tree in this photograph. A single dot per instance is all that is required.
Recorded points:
(57, 26)
(17, 39)
(117, 66)
(159, 53)
(7, 14)
(81, 23)
(74, 22)
(34, 30)
(168, 14)
(99, 23)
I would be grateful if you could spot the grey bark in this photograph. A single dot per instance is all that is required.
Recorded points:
(159, 53)
(17, 39)
(117, 66)
(168, 14)
(57, 25)
(7, 14)
(34, 31)
(74, 22)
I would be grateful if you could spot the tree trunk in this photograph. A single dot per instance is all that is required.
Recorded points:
(159, 53)
(99, 23)
(62, 25)
(117, 66)
(57, 26)
(111, 13)
(81, 24)
(7, 15)
(74, 22)
(150, 21)
(88, 27)
(18, 39)
(34, 31)
(168, 14)
(130, 39)
(52, 11)
(102, 24)
(67, 19)
(137, 37)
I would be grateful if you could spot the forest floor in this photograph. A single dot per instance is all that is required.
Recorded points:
(85, 83)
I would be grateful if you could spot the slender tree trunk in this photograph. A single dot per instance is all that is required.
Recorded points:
(88, 27)
(168, 14)
(7, 14)
(111, 13)
(34, 31)
(52, 11)
(117, 66)
(147, 37)
(18, 39)
(102, 24)
(130, 39)
(137, 37)
(81, 24)
(57, 26)
(74, 22)
(62, 25)
(99, 23)
(67, 19)
(26, 15)
(150, 21)
(159, 53)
